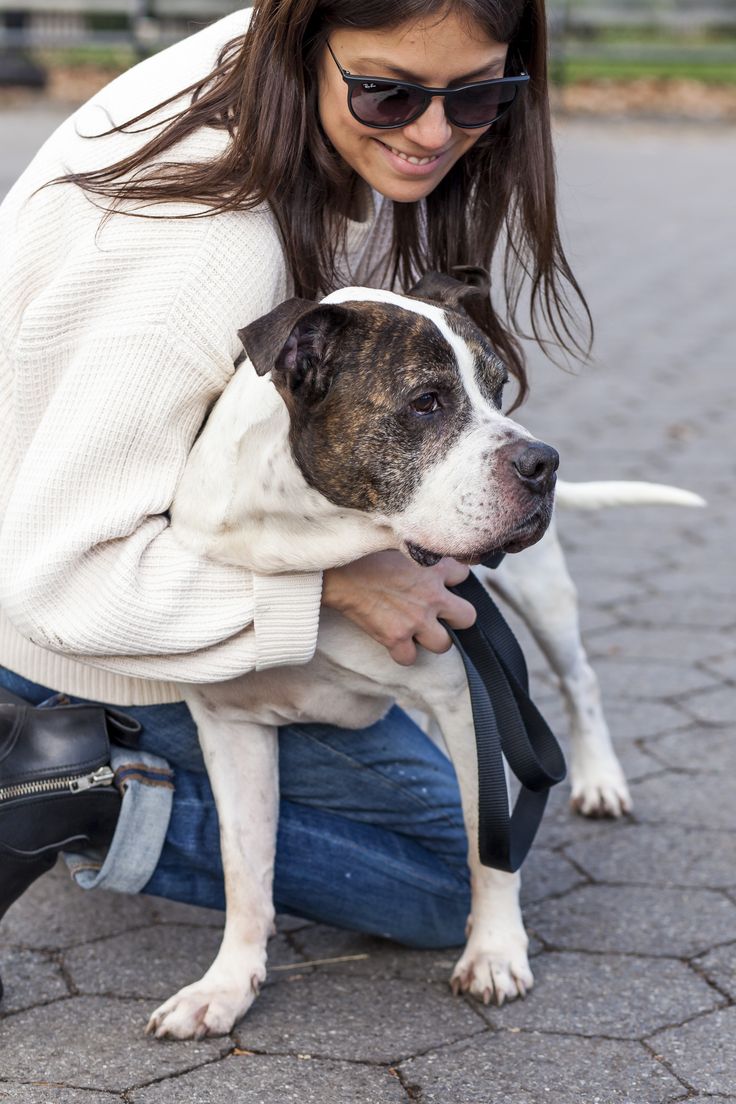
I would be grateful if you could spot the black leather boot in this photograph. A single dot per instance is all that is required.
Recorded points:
(57, 788)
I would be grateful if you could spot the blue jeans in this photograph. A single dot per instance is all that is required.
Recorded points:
(370, 837)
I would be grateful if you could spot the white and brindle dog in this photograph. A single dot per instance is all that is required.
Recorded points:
(366, 422)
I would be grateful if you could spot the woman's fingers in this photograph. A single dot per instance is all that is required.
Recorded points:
(457, 612)
(453, 572)
(405, 652)
(399, 603)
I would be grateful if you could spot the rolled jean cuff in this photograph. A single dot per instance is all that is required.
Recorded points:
(147, 785)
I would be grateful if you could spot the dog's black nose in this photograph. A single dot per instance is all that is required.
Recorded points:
(536, 465)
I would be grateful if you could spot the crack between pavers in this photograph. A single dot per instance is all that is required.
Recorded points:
(294, 945)
(659, 1058)
(372, 1063)
(688, 1020)
(626, 623)
(673, 823)
(66, 974)
(668, 1066)
(181, 1072)
(554, 896)
(633, 884)
(413, 1092)
(699, 969)
(112, 1093)
(38, 1004)
(56, 949)
(579, 1034)
(685, 959)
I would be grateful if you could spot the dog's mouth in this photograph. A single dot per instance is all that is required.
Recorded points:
(527, 532)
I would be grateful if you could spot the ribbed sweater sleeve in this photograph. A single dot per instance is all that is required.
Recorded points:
(128, 340)
(90, 565)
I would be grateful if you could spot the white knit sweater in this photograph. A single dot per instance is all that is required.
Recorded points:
(115, 340)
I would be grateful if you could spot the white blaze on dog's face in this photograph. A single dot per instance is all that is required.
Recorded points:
(395, 411)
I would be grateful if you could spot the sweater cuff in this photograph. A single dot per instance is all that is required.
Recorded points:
(286, 618)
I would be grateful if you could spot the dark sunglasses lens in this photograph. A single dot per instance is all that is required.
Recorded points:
(476, 106)
(382, 104)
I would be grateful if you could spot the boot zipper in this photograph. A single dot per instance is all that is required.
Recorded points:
(103, 776)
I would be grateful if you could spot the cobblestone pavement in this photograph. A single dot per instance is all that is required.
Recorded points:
(633, 924)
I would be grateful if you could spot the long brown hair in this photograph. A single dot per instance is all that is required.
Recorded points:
(501, 192)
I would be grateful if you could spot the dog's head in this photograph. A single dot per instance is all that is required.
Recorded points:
(395, 410)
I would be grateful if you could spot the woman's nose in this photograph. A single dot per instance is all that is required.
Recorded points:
(431, 130)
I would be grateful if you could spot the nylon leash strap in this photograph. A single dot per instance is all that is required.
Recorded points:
(507, 724)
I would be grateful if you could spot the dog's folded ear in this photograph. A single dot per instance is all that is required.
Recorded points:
(468, 284)
(290, 341)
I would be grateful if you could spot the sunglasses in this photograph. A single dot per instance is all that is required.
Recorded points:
(381, 103)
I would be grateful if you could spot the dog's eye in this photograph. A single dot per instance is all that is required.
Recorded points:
(426, 403)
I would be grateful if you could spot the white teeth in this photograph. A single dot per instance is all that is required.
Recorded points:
(412, 160)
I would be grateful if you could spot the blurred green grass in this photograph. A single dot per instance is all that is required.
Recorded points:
(574, 69)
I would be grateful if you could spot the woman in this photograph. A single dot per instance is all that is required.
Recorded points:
(173, 219)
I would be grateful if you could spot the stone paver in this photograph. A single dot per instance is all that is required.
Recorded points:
(641, 854)
(253, 1078)
(659, 644)
(54, 912)
(692, 800)
(714, 749)
(703, 1052)
(714, 706)
(30, 978)
(635, 920)
(631, 678)
(537, 1069)
(609, 995)
(46, 1043)
(643, 1009)
(370, 1019)
(719, 966)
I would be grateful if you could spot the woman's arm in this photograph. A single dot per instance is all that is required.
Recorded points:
(88, 563)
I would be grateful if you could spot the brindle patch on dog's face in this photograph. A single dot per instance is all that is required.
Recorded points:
(395, 406)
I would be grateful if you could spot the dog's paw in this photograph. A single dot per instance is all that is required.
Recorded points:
(493, 974)
(202, 1009)
(599, 787)
(601, 793)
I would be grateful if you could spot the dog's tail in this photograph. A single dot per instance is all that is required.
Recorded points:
(598, 495)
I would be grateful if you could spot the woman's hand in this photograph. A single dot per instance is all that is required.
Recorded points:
(398, 603)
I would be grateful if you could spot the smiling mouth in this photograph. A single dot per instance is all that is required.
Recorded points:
(410, 157)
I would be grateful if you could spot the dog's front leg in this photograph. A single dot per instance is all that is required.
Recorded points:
(242, 763)
(494, 965)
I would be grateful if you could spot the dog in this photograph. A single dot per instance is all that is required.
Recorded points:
(343, 454)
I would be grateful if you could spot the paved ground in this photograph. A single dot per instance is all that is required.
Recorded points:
(634, 924)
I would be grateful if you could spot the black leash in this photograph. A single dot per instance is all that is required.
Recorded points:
(507, 723)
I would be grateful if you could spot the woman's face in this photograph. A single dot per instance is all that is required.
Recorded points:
(440, 52)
